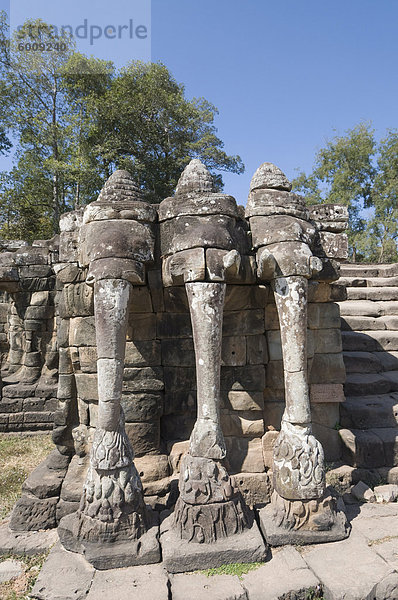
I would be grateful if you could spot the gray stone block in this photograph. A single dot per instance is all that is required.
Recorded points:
(200, 587)
(26, 542)
(243, 400)
(143, 353)
(243, 423)
(145, 437)
(140, 300)
(82, 331)
(327, 341)
(256, 349)
(66, 508)
(149, 582)
(248, 322)
(286, 575)
(256, 488)
(174, 325)
(87, 386)
(144, 407)
(141, 379)
(178, 353)
(180, 555)
(347, 569)
(233, 352)
(142, 326)
(244, 455)
(32, 514)
(248, 378)
(64, 576)
(362, 448)
(44, 482)
(327, 368)
(239, 297)
(72, 486)
(279, 536)
(10, 569)
(112, 555)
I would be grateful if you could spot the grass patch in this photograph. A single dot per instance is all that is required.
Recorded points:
(238, 569)
(19, 588)
(19, 455)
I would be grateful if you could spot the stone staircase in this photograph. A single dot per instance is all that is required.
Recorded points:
(369, 323)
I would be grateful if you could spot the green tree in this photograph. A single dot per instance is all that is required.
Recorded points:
(75, 119)
(344, 173)
(144, 123)
(383, 225)
(37, 114)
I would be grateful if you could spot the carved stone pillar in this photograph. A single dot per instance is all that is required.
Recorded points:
(301, 510)
(113, 527)
(211, 524)
(209, 506)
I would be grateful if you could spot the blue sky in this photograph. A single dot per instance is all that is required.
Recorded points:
(284, 75)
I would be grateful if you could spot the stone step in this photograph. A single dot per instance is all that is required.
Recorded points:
(354, 270)
(388, 360)
(368, 412)
(363, 384)
(357, 323)
(372, 293)
(360, 323)
(362, 362)
(369, 281)
(370, 341)
(388, 307)
(370, 362)
(359, 270)
(370, 448)
(360, 308)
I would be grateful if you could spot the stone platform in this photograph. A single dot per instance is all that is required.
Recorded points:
(362, 567)
(279, 536)
(180, 555)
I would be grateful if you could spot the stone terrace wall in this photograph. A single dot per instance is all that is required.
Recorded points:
(159, 397)
(4, 310)
(28, 344)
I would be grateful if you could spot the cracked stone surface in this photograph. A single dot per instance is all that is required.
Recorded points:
(149, 582)
(26, 542)
(9, 569)
(362, 567)
(65, 576)
(200, 587)
(286, 573)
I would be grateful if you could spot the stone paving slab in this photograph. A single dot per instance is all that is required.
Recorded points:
(27, 542)
(64, 576)
(285, 575)
(362, 567)
(149, 582)
(375, 521)
(348, 570)
(181, 555)
(388, 550)
(193, 586)
(10, 569)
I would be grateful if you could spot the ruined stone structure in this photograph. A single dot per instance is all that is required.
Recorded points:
(204, 340)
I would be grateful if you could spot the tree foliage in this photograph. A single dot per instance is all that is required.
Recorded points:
(74, 119)
(355, 170)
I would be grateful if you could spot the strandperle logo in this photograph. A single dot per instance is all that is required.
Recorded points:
(85, 31)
